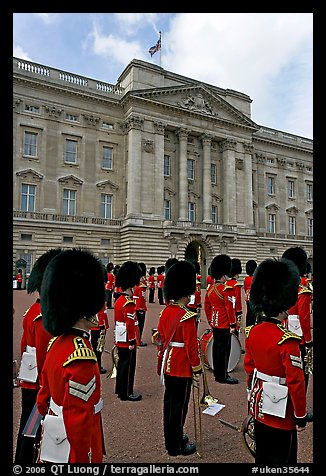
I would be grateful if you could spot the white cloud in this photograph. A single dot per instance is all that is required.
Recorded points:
(46, 17)
(18, 52)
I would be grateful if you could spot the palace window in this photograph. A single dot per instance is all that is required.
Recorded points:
(290, 188)
(214, 214)
(310, 226)
(291, 225)
(71, 151)
(30, 144)
(190, 169)
(271, 223)
(167, 210)
(69, 202)
(167, 166)
(106, 205)
(213, 173)
(27, 202)
(191, 211)
(271, 185)
(309, 192)
(107, 158)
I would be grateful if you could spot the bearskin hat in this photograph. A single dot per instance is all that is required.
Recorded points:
(151, 270)
(72, 288)
(274, 287)
(36, 276)
(220, 266)
(180, 281)
(128, 275)
(142, 267)
(236, 267)
(298, 256)
(251, 265)
(169, 262)
(109, 267)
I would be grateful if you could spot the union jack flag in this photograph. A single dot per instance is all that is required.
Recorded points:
(157, 47)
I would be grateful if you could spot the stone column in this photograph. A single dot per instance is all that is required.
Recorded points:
(158, 195)
(133, 125)
(228, 148)
(183, 179)
(207, 183)
(248, 198)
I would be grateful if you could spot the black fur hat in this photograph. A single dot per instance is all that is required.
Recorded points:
(220, 266)
(36, 276)
(274, 287)
(128, 275)
(236, 267)
(251, 265)
(72, 288)
(169, 262)
(180, 281)
(142, 267)
(298, 256)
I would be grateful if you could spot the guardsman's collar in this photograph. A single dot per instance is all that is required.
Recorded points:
(274, 320)
(80, 332)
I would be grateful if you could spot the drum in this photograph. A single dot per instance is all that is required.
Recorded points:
(206, 343)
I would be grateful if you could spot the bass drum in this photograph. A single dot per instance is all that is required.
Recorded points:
(206, 343)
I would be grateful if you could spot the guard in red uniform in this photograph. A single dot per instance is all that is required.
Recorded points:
(116, 290)
(273, 364)
(298, 319)
(109, 286)
(160, 283)
(209, 279)
(151, 284)
(236, 270)
(139, 297)
(98, 334)
(251, 265)
(33, 346)
(19, 279)
(195, 300)
(221, 317)
(72, 293)
(127, 337)
(178, 356)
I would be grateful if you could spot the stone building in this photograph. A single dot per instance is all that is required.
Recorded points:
(158, 165)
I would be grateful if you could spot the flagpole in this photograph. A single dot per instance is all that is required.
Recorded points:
(160, 48)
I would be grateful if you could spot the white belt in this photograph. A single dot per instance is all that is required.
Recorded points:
(271, 378)
(171, 344)
(30, 350)
(57, 409)
(177, 344)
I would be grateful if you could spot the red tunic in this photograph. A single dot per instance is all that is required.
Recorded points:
(302, 308)
(246, 287)
(273, 350)
(151, 281)
(34, 335)
(110, 282)
(103, 322)
(139, 296)
(125, 311)
(71, 377)
(218, 306)
(237, 287)
(160, 281)
(180, 361)
(209, 281)
(197, 294)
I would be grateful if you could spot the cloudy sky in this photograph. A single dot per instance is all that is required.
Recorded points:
(267, 56)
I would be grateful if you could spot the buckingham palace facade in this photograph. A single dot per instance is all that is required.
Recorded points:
(155, 166)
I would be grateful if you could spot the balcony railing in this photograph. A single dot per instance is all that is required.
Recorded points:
(65, 218)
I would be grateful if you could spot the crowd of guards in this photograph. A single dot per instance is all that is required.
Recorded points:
(64, 334)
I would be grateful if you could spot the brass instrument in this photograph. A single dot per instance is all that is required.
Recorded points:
(247, 432)
(308, 361)
(101, 342)
(203, 402)
(115, 360)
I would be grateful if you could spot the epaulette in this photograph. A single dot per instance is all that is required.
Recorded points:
(37, 317)
(50, 343)
(304, 289)
(237, 284)
(188, 315)
(128, 301)
(81, 352)
(26, 312)
(287, 334)
(226, 286)
(214, 288)
(247, 330)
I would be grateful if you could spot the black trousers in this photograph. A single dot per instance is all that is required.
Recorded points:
(25, 450)
(124, 384)
(151, 295)
(108, 297)
(160, 295)
(250, 317)
(275, 446)
(221, 352)
(141, 321)
(95, 335)
(175, 408)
